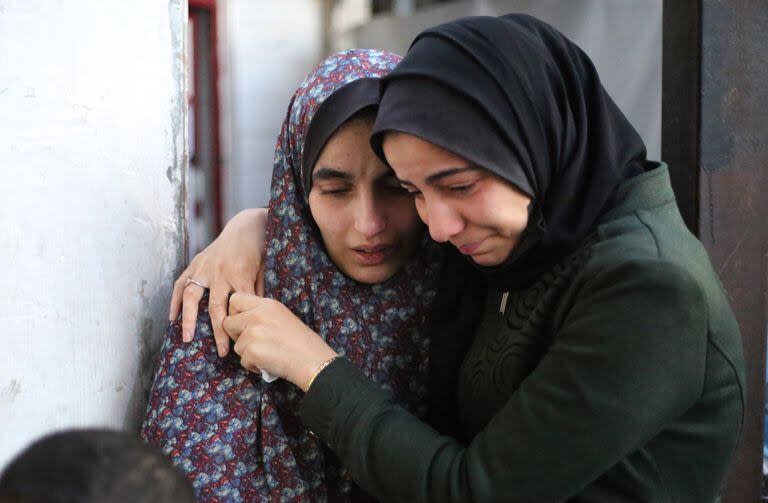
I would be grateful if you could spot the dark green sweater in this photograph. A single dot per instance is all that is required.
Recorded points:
(617, 376)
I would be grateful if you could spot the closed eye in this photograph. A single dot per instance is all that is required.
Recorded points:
(461, 189)
(335, 191)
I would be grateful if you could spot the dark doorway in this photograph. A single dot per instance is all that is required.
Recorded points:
(204, 205)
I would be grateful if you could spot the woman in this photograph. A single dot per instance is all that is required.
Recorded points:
(347, 254)
(607, 364)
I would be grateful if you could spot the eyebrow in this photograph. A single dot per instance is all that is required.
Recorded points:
(326, 173)
(443, 174)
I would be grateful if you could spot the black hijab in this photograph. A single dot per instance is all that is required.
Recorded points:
(515, 96)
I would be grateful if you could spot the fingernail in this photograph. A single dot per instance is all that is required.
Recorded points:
(186, 335)
(222, 350)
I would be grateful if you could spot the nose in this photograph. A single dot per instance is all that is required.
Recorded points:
(369, 217)
(443, 221)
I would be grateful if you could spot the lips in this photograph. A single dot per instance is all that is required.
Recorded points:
(470, 248)
(373, 255)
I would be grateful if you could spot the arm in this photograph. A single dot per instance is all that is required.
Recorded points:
(628, 359)
(233, 262)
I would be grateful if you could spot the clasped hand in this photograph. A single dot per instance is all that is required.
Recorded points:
(269, 336)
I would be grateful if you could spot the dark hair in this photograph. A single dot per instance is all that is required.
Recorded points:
(92, 465)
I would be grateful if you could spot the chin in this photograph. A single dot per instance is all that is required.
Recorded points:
(373, 275)
(488, 260)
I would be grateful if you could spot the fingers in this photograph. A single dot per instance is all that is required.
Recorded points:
(234, 325)
(245, 287)
(222, 341)
(239, 302)
(248, 335)
(217, 308)
(260, 281)
(248, 358)
(178, 290)
(191, 299)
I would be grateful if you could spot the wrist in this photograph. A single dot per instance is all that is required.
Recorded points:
(315, 367)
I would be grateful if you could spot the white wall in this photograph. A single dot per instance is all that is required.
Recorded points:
(92, 163)
(269, 47)
(623, 38)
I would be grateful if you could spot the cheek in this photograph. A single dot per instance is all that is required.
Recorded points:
(518, 213)
(331, 218)
(513, 219)
(521, 219)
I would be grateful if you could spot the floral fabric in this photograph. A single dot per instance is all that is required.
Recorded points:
(240, 439)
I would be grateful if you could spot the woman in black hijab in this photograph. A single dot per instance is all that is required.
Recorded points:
(607, 363)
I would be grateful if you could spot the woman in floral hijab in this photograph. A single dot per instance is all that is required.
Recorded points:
(239, 438)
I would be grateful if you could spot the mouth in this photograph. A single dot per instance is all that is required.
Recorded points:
(470, 248)
(373, 255)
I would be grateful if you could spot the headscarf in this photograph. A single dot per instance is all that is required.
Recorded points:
(238, 438)
(513, 95)
(378, 328)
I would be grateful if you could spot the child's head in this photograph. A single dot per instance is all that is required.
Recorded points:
(92, 466)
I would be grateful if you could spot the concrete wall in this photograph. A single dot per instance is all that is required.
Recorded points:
(92, 164)
(268, 49)
(623, 38)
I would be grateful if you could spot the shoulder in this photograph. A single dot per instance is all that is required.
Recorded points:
(631, 305)
(645, 251)
(629, 284)
(634, 260)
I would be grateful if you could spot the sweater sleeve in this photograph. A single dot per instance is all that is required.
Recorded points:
(627, 359)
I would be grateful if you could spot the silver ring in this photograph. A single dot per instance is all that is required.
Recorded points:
(194, 282)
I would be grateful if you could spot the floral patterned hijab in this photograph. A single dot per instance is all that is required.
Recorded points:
(239, 438)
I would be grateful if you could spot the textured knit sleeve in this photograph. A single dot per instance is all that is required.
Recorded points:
(628, 358)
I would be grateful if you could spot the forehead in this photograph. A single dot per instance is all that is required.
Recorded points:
(416, 159)
(349, 151)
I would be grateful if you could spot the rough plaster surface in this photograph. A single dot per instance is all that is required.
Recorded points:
(93, 159)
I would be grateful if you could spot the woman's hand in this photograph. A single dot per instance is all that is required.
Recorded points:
(268, 336)
(233, 262)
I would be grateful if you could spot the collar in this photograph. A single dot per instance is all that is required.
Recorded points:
(647, 190)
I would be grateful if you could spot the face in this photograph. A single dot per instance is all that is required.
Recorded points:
(368, 222)
(478, 212)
